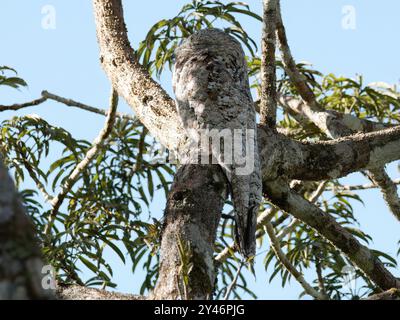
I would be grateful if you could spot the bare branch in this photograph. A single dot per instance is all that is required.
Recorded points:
(290, 65)
(234, 281)
(73, 103)
(90, 155)
(358, 187)
(327, 120)
(268, 66)
(388, 188)
(16, 107)
(68, 102)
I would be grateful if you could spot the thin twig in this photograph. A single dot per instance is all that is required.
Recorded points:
(68, 102)
(358, 187)
(234, 281)
(90, 155)
(288, 265)
(76, 104)
(321, 284)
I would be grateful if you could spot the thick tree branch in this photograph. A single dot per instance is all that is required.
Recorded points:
(152, 105)
(295, 222)
(83, 293)
(268, 66)
(337, 125)
(392, 294)
(327, 160)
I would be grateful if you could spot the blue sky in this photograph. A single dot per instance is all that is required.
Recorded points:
(64, 61)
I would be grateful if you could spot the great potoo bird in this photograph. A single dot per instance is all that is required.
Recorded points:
(214, 102)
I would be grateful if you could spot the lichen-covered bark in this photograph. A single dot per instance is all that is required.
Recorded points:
(193, 210)
(152, 105)
(392, 294)
(75, 292)
(327, 159)
(20, 259)
(268, 67)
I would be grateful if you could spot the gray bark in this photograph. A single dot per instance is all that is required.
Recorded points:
(20, 258)
(193, 211)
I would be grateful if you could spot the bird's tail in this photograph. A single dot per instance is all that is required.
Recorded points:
(245, 232)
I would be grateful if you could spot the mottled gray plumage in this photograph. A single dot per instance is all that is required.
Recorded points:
(212, 90)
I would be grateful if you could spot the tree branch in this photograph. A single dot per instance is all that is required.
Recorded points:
(268, 66)
(327, 160)
(327, 120)
(68, 102)
(388, 188)
(295, 222)
(152, 105)
(392, 294)
(358, 187)
(193, 211)
(74, 292)
(76, 104)
(234, 281)
(17, 106)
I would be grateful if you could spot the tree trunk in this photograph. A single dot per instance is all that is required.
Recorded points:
(20, 259)
(192, 214)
